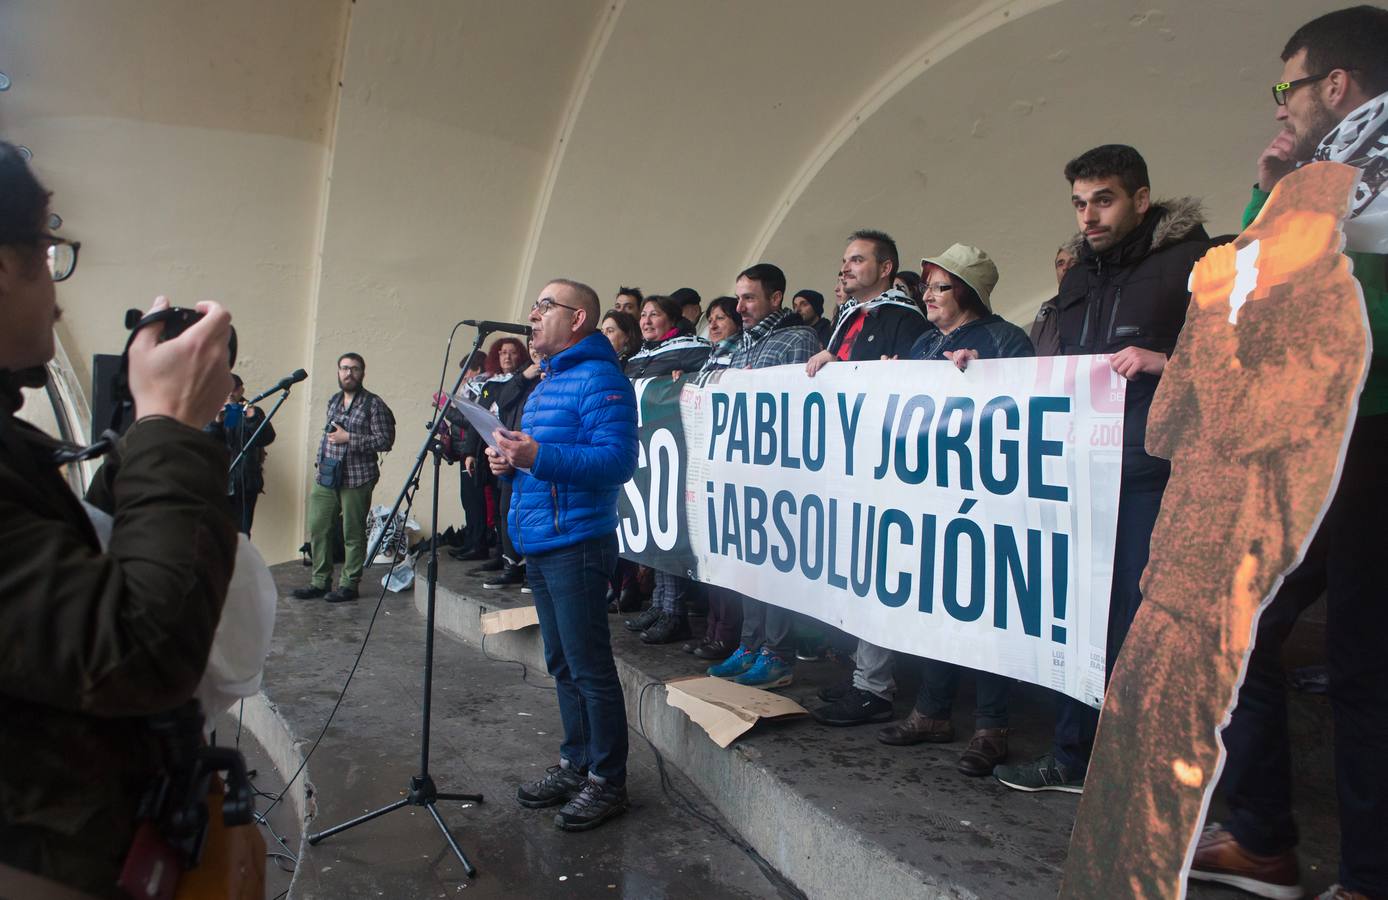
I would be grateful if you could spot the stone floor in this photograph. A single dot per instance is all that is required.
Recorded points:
(495, 725)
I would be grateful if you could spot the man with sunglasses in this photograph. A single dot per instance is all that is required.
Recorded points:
(1332, 103)
(576, 447)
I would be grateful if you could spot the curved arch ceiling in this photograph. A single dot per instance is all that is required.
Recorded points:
(711, 135)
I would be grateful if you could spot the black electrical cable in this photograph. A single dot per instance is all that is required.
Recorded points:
(375, 613)
(783, 885)
(525, 670)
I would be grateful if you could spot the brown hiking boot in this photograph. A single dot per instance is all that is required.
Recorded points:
(917, 729)
(986, 749)
(1220, 859)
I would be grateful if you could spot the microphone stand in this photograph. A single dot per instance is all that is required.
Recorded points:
(422, 790)
(246, 447)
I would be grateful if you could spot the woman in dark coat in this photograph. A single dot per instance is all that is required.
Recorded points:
(670, 348)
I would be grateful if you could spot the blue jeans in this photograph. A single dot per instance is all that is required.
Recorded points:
(570, 587)
(1139, 502)
(940, 683)
(1344, 562)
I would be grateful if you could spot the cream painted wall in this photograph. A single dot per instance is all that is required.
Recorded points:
(770, 130)
(186, 145)
(973, 149)
(449, 114)
(476, 149)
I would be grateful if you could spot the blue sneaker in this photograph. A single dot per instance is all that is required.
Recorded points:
(769, 671)
(734, 665)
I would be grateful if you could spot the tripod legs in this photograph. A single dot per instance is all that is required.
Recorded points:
(448, 836)
(359, 820)
(423, 793)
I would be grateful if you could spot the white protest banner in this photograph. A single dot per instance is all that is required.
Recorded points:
(962, 516)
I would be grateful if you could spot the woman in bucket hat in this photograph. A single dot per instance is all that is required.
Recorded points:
(958, 285)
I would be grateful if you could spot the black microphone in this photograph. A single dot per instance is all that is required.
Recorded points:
(295, 377)
(506, 327)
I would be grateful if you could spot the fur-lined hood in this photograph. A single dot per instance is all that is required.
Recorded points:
(1183, 216)
(1179, 217)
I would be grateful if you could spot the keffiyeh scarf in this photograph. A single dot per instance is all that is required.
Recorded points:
(1361, 140)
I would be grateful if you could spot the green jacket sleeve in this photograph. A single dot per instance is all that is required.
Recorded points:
(1371, 270)
(126, 632)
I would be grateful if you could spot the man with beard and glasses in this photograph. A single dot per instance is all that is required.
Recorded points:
(360, 426)
(1332, 103)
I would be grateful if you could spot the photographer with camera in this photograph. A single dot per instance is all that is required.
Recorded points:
(236, 423)
(360, 425)
(98, 643)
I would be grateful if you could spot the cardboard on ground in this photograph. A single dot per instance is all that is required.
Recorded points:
(724, 709)
(514, 619)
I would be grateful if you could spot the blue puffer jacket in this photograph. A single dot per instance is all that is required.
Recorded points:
(583, 416)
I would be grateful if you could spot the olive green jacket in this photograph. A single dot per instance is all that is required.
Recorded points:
(94, 642)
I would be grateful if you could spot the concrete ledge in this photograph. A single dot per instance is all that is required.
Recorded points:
(263, 720)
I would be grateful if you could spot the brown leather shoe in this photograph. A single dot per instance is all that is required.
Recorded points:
(986, 749)
(1340, 892)
(917, 729)
(1220, 859)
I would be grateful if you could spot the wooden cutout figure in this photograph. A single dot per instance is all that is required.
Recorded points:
(1254, 410)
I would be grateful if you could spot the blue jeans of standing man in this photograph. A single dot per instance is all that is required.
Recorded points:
(1139, 502)
(570, 586)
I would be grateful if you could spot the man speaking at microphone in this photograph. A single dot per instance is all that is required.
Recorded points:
(576, 447)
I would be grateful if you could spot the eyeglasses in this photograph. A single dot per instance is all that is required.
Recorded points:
(349, 368)
(62, 255)
(1282, 89)
(545, 304)
(942, 288)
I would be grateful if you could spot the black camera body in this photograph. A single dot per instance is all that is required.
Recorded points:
(174, 321)
(177, 320)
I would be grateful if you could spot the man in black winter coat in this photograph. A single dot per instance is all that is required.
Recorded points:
(1127, 296)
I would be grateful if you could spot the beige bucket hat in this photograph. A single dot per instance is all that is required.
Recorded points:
(971, 266)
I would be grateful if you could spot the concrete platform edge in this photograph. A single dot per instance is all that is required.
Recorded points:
(262, 718)
(822, 855)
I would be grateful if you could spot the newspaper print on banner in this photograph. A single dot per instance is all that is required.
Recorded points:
(963, 516)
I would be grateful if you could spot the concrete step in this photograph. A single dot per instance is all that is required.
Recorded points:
(833, 809)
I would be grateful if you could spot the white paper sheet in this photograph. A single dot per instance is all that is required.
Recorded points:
(484, 421)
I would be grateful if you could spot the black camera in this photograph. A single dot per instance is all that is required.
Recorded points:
(176, 320)
(340, 422)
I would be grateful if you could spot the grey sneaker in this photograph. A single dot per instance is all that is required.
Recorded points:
(597, 802)
(1044, 774)
(559, 785)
